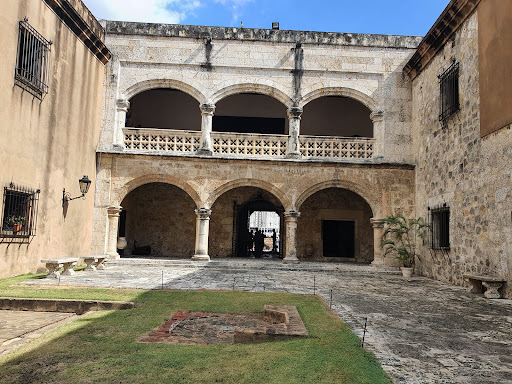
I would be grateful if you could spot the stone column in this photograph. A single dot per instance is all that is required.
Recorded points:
(113, 223)
(377, 118)
(378, 230)
(207, 111)
(122, 106)
(202, 233)
(293, 150)
(290, 219)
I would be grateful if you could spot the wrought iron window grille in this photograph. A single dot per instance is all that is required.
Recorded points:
(19, 214)
(439, 220)
(32, 61)
(449, 92)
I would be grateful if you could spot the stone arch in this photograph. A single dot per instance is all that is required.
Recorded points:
(340, 91)
(363, 189)
(147, 85)
(122, 192)
(266, 186)
(253, 88)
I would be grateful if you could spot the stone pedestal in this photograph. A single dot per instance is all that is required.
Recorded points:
(113, 222)
(122, 106)
(202, 233)
(290, 219)
(293, 148)
(207, 111)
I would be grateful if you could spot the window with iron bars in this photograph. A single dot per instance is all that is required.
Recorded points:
(449, 95)
(33, 60)
(19, 212)
(440, 228)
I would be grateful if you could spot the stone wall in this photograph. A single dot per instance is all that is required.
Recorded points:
(208, 181)
(367, 68)
(456, 167)
(161, 216)
(334, 204)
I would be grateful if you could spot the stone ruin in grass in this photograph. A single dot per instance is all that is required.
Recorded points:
(275, 323)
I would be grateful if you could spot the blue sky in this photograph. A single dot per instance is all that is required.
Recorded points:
(400, 17)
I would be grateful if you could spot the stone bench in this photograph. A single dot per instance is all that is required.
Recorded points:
(94, 262)
(491, 283)
(54, 265)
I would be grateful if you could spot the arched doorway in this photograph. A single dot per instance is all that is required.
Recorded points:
(159, 216)
(230, 224)
(334, 225)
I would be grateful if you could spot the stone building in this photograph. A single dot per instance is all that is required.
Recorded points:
(203, 126)
(52, 71)
(462, 115)
(226, 122)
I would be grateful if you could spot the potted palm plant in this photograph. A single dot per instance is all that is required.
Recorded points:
(401, 235)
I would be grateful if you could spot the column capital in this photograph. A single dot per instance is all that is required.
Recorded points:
(207, 109)
(292, 214)
(114, 210)
(294, 113)
(377, 223)
(203, 213)
(377, 116)
(122, 105)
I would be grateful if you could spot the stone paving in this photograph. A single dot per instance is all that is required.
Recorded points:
(422, 331)
(19, 327)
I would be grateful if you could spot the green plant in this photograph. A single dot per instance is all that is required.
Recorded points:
(16, 220)
(401, 236)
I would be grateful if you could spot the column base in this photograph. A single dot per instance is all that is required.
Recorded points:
(294, 155)
(200, 258)
(377, 263)
(204, 152)
(113, 255)
(290, 260)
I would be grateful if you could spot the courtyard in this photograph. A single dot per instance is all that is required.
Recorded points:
(420, 330)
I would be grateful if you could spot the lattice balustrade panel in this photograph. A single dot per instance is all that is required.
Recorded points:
(336, 147)
(249, 145)
(144, 139)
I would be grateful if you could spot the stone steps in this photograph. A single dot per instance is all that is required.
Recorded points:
(251, 264)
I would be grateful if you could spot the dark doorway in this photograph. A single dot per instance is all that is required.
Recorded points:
(243, 240)
(338, 238)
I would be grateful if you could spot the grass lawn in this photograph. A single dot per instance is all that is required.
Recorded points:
(101, 347)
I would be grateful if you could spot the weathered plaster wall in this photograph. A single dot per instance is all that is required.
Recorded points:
(334, 204)
(455, 166)
(161, 216)
(49, 144)
(365, 67)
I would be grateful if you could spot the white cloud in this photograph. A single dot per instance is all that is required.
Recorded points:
(235, 6)
(149, 11)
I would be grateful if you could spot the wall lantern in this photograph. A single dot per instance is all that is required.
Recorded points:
(84, 183)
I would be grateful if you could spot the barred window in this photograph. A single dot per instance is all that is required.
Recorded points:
(449, 96)
(19, 212)
(440, 228)
(32, 62)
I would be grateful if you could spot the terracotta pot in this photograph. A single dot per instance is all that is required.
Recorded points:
(16, 228)
(406, 271)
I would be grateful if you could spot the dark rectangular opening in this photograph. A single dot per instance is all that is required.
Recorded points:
(242, 124)
(440, 228)
(338, 238)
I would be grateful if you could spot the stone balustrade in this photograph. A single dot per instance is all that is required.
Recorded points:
(247, 145)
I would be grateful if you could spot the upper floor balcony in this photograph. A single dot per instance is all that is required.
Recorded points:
(247, 126)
